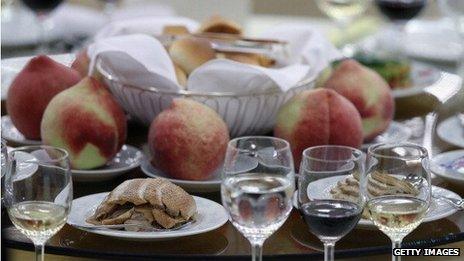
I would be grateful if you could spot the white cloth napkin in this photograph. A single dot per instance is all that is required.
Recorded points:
(307, 45)
(229, 76)
(136, 59)
(144, 25)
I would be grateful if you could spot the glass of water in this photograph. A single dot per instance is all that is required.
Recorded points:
(329, 195)
(257, 187)
(38, 192)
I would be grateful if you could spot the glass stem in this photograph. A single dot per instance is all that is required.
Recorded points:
(396, 244)
(257, 252)
(329, 249)
(39, 252)
(42, 47)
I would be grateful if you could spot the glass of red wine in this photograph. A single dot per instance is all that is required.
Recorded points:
(42, 9)
(399, 12)
(329, 198)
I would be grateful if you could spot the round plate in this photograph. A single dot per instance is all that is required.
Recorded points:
(422, 76)
(439, 165)
(211, 185)
(127, 158)
(452, 131)
(437, 210)
(10, 133)
(210, 216)
(395, 133)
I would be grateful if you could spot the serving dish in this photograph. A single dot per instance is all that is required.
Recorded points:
(244, 113)
(210, 216)
(439, 165)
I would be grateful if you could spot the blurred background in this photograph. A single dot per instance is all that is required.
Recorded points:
(74, 21)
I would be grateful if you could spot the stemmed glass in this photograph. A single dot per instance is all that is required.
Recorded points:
(42, 9)
(38, 192)
(455, 10)
(257, 187)
(399, 12)
(329, 197)
(398, 188)
(343, 12)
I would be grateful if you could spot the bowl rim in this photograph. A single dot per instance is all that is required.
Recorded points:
(109, 77)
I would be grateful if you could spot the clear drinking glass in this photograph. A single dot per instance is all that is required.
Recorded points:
(42, 9)
(257, 187)
(38, 192)
(329, 197)
(343, 12)
(455, 10)
(399, 12)
(397, 188)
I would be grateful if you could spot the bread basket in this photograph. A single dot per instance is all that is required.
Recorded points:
(244, 113)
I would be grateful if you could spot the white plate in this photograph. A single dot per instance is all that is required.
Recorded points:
(211, 216)
(10, 133)
(127, 159)
(211, 185)
(451, 131)
(422, 76)
(439, 166)
(397, 132)
(435, 40)
(438, 209)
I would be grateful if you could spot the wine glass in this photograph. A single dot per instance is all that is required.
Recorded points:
(343, 12)
(397, 188)
(42, 9)
(257, 187)
(399, 12)
(38, 192)
(330, 209)
(455, 10)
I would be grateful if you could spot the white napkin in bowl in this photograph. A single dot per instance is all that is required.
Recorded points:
(145, 25)
(136, 59)
(307, 45)
(222, 75)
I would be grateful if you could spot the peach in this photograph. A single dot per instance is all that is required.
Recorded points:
(81, 63)
(86, 121)
(318, 117)
(369, 93)
(188, 140)
(33, 88)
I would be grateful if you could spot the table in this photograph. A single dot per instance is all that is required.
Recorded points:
(291, 241)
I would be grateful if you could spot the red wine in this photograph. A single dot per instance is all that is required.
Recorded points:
(331, 219)
(42, 5)
(401, 9)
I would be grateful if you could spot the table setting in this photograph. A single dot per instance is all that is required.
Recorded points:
(165, 137)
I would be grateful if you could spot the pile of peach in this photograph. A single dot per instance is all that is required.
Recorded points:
(63, 108)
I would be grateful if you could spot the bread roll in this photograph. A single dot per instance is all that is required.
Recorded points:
(189, 53)
(175, 30)
(218, 24)
(248, 58)
(181, 76)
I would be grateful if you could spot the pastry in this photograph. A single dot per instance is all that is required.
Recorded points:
(181, 76)
(189, 53)
(218, 24)
(146, 202)
(175, 30)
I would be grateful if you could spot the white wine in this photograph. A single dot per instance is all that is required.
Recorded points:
(38, 220)
(258, 203)
(397, 215)
(343, 9)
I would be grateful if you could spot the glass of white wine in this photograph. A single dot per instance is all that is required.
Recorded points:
(397, 188)
(343, 12)
(257, 187)
(38, 192)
